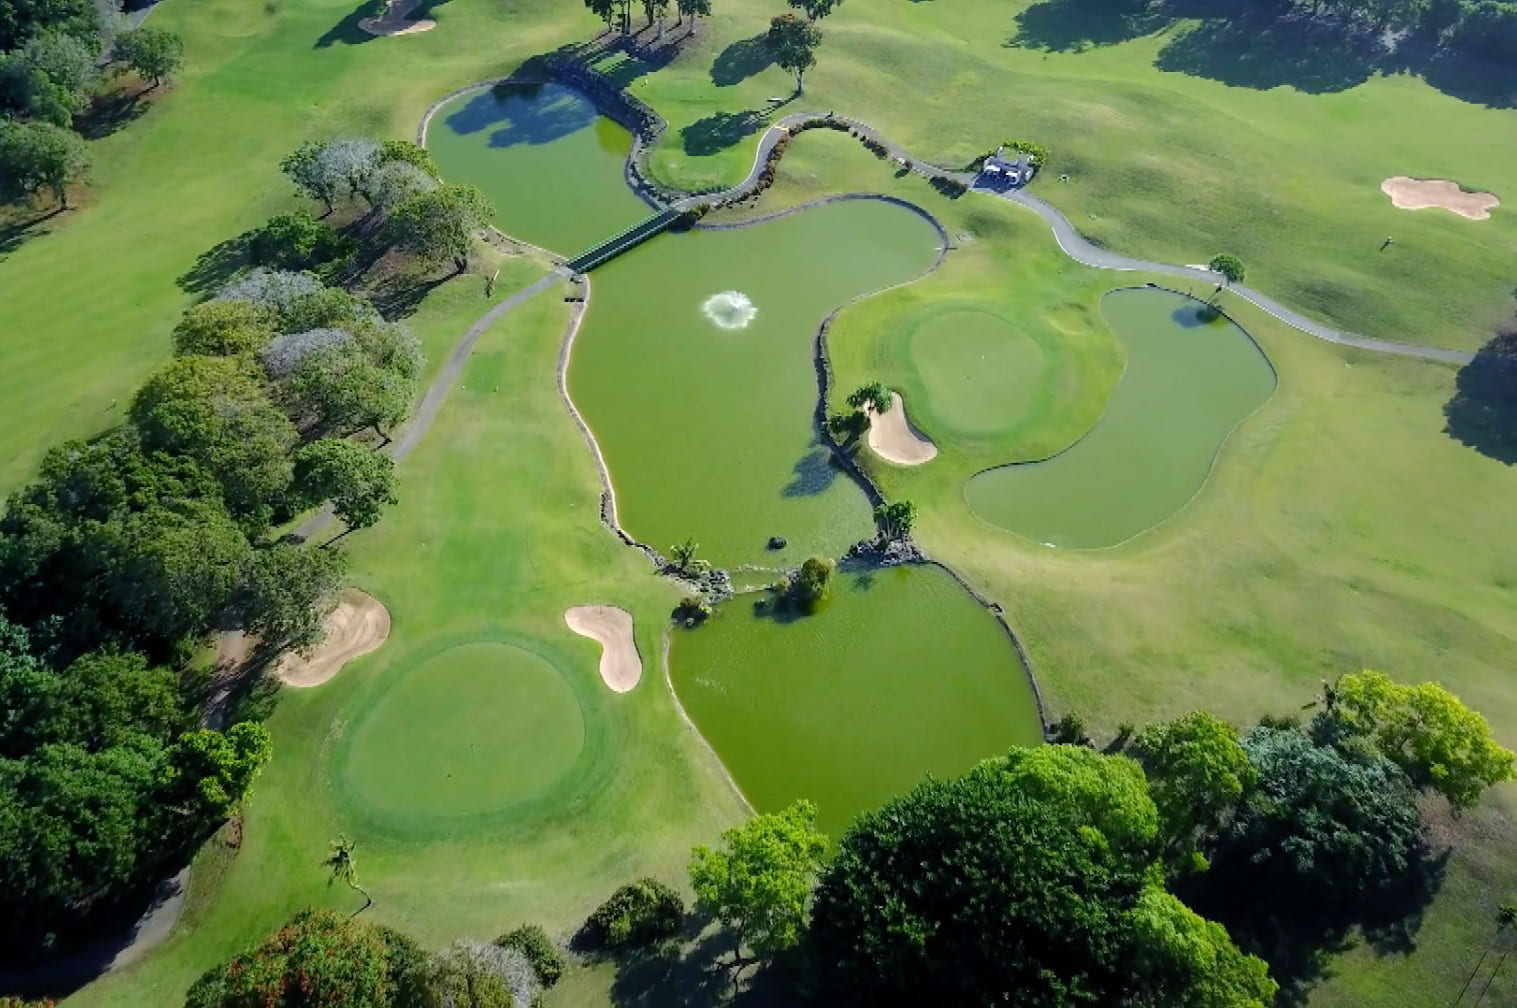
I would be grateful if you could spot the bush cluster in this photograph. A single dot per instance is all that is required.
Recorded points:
(533, 943)
(638, 914)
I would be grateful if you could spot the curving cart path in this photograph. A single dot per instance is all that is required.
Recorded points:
(1073, 244)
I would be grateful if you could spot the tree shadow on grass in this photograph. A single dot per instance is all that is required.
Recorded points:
(1077, 25)
(214, 267)
(1458, 75)
(17, 231)
(1483, 411)
(719, 131)
(399, 295)
(347, 31)
(1314, 55)
(812, 474)
(695, 974)
(741, 60)
(111, 112)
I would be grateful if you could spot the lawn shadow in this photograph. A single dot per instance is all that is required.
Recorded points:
(1077, 25)
(1483, 411)
(695, 974)
(215, 266)
(111, 112)
(719, 131)
(347, 31)
(398, 295)
(518, 115)
(15, 233)
(1458, 75)
(812, 474)
(741, 60)
(1310, 54)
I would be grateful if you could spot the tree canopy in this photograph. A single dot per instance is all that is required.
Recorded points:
(758, 882)
(38, 157)
(154, 53)
(1029, 881)
(794, 42)
(441, 225)
(1230, 266)
(359, 481)
(1197, 772)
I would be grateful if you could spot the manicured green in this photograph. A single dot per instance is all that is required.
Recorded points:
(1191, 377)
(552, 166)
(981, 374)
(473, 729)
(708, 431)
(900, 673)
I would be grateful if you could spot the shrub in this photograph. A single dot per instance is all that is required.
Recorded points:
(814, 580)
(533, 943)
(638, 914)
(1069, 730)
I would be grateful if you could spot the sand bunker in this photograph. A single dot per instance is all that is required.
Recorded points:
(394, 20)
(611, 628)
(1419, 194)
(357, 626)
(894, 439)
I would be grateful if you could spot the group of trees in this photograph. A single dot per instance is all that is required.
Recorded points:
(127, 549)
(54, 55)
(1061, 876)
(619, 12)
(393, 187)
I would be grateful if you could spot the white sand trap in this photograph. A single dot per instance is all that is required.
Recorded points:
(357, 626)
(394, 20)
(1419, 194)
(894, 439)
(611, 628)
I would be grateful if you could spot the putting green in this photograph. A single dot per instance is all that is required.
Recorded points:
(982, 376)
(1190, 379)
(470, 730)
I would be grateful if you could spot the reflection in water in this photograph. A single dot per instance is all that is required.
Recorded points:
(531, 114)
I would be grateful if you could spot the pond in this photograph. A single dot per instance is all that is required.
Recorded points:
(899, 674)
(551, 164)
(1190, 380)
(694, 369)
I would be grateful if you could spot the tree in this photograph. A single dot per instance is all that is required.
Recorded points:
(692, 9)
(814, 580)
(895, 518)
(210, 772)
(462, 978)
(64, 74)
(638, 914)
(1230, 266)
(297, 241)
(655, 9)
(217, 410)
(154, 53)
(874, 395)
(603, 9)
(1323, 832)
(1439, 743)
(319, 959)
(815, 9)
(288, 591)
(344, 868)
(794, 43)
(339, 387)
(408, 153)
(223, 329)
(359, 481)
(21, 19)
(440, 225)
(684, 556)
(1027, 881)
(1197, 772)
(40, 156)
(1506, 918)
(758, 883)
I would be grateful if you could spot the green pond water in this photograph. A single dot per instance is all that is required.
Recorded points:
(1188, 383)
(550, 163)
(707, 431)
(901, 673)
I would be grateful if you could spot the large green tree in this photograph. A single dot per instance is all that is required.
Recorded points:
(442, 225)
(758, 882)
(223, 329)
(359, 481)
(153, 53)
(794, 42)
(37, 157)
(287, 592)
(1440, 744)
(1028, 881)
(1197, 772)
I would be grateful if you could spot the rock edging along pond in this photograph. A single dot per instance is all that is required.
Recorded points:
(1192, 376)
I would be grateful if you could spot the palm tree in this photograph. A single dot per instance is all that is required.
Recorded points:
(1506, 916)
(345, 870)
(684, 553)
